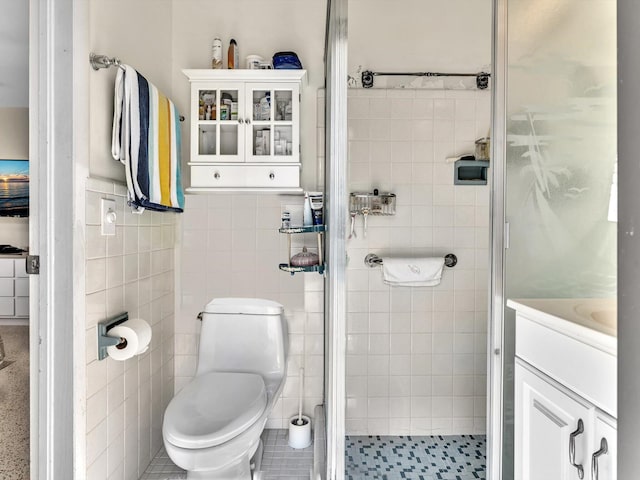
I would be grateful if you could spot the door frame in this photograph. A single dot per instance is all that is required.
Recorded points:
(51, 238)
(628, 244)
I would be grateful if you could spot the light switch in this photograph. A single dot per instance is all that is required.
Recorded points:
(108, 216)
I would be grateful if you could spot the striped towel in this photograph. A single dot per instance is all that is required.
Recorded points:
(146, 139)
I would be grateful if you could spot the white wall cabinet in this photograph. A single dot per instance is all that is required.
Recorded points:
(562, 430)
(14, 288)
(245, 129)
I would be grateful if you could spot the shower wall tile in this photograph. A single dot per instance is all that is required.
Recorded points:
(416, 358)
(133, 272)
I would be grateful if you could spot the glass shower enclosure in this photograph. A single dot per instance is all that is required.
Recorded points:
(556, 87)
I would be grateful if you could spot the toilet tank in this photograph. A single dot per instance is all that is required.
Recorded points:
(243, 335)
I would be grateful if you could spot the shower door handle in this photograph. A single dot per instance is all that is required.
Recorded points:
(572, 448)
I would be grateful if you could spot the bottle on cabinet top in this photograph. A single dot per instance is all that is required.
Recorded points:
(216, 54)
(232, 55)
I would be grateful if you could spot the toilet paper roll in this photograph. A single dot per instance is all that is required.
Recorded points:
(137, 335)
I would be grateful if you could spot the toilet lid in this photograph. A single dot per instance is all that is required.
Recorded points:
(214, 408)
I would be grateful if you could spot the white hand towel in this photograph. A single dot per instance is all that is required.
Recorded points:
(412, 272)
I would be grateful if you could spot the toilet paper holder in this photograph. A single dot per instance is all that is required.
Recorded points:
(104, 340)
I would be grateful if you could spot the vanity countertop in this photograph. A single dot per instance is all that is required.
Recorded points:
(593, 321)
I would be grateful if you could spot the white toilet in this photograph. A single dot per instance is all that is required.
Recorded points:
(212, 427)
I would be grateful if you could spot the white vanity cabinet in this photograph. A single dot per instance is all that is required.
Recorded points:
(245, 129)
(565, 391)
(14, 288)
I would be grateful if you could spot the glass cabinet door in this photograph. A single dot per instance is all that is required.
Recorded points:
(274, 133)
(219, 136)
(230, 139)
(207, 131)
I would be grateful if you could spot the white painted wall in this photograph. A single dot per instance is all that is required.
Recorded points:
(14, 133)
(142, 39)
(419, 35)
(14, 100)
(14, 53)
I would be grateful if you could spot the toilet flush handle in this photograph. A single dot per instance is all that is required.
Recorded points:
(199, 317)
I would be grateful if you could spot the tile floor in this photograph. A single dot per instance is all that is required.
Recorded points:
(14, 403)
(279, 461)
(451, 457)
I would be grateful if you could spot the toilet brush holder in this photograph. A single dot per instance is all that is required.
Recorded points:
(299, 435)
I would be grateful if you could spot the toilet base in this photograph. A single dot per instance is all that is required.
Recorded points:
(249, 470)
(256, 460)
(238, 471)
(230, 461)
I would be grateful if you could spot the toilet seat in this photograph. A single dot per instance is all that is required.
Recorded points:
(214, 408)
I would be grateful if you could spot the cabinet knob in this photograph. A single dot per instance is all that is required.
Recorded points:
(216, 175)
(241, 121)
(572, 448)
(272, 175)
(604, 449)
(248, 120)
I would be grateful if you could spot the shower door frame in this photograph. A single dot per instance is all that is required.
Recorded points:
(336, 193)
(498, 241)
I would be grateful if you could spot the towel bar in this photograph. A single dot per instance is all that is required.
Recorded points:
(372, 260)
(102, 61)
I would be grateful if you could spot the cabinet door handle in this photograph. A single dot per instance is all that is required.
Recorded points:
(604, 449)
(272, 175)
(216, 175)
(572, 448)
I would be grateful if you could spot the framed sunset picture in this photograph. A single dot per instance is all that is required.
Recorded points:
(14, 188)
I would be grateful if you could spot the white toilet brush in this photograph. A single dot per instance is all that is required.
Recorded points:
(300, 393)
(300, 425)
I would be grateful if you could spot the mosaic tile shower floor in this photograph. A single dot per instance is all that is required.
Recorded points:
(451, 457)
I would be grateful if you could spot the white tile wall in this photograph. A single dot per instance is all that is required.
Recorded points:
(230, 246)
(132, 271)
(416, 357)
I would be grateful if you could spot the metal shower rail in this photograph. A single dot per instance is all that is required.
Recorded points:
(482, 78)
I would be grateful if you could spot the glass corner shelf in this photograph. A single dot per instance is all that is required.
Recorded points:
(285, 267)
(301, 229)
(318, 230)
